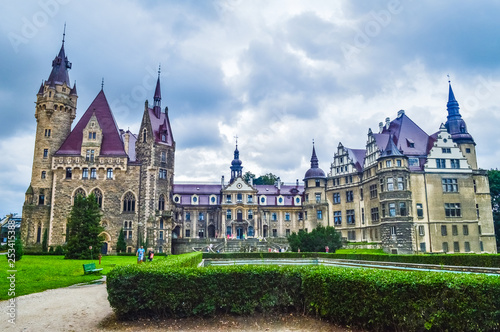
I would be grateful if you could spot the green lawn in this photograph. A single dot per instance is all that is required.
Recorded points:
(38, 273)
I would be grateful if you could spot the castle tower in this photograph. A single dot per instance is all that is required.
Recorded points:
(236, 168)
(55, 111)
(155, 148)
(458, 130)
(315, 201)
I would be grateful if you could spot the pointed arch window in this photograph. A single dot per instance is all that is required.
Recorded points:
(79, 192)
(129, 202)
(144, 135)
(161, 203)
(98, 197)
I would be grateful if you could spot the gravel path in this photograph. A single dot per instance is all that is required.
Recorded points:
(86, 308)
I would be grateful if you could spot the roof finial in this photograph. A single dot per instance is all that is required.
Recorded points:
(64, 32)
(313, 141)
(449, 82)
(102, 84)
(236, 137)
(159, 69)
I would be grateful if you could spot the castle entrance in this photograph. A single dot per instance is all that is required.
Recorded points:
(239, 232)
(211, 231)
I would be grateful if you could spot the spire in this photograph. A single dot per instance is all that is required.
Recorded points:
(157, 96)
(236, 168)
(102, 84)
(455, 124)
(60, 66)
(73, 90)
(40, 91)
(314, 171)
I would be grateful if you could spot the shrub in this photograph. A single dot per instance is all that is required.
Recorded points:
(59, 250)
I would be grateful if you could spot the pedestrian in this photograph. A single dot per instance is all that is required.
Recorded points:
(140, 255)
(151, 255)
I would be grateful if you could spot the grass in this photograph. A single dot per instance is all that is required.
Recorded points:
(38, 273)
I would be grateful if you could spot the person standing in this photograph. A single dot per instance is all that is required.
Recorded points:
(140, 255)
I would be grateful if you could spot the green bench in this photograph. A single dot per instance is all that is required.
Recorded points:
(90, 268)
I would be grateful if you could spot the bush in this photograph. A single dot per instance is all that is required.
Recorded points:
(364, 298)
(59, 250)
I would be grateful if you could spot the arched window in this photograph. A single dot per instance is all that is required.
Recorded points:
(79, 192)
(129, 202)
(98, 196)
(161, 203)
(144, 135)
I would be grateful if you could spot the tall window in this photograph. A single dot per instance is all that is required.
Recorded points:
(239, 197)
(90, 155)
(250, 214)
(337, 217)
(45, 153)
(287, 216)
(449, 185)
(317, 183)
(420, 210)
(161, 203)
(129, 202)
(163, 156)
(456, 247)
(41, 199)
(392, 209)
(228, 214)
(109, 173)
(455, 163)
(444, 230)
(80, 192)
(69, 172)
(421, 230)
(375, 214)
(144, 135)
(349, 196)
(98, 196)
(445, 246)
(373, 191)
(393, 231)
(350, 216)
(228, 198)
(85, 173)
(93, 173)
(402, 209)
(452, 210)
(318, 198)
(274, 216)
(319, 214)
(454, 230)
(44, 174)
(466, 230)
(390, 184)
(401, 185)
(92, 135)
(47, 132)
(441, 163)
(249, 198)
(201, 217)
(336, 198)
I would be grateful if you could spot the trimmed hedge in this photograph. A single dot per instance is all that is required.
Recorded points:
(483, 260)
(365, 298)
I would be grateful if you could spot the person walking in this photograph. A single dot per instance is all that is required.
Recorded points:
(140, 255)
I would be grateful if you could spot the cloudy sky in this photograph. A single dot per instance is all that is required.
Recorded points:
(277, 74)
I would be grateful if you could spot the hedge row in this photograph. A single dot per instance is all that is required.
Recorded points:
(364, 298)
(483, 260)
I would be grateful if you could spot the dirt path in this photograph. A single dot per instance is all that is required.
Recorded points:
(86, 308)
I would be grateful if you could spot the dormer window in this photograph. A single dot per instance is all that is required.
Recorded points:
(410, 143)
(163, 138)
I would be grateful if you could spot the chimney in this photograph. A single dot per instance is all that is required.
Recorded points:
(297, 182)
(279, 183)
(380, 127)
(126, 140)
(400, 113)
(251, 181)
(222, 182)
(387, 123)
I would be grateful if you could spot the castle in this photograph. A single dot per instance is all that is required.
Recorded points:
(406, 191)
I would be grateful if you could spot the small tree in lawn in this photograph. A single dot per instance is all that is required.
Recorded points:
(45, 241)
(121, 245)
(316, 241)
(84, 227)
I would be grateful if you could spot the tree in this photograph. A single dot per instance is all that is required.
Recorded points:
(247, 176)
(45, 241)
(121, 245)
(494, 179)
(84, 229)
(268, 178)
(317, 240)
